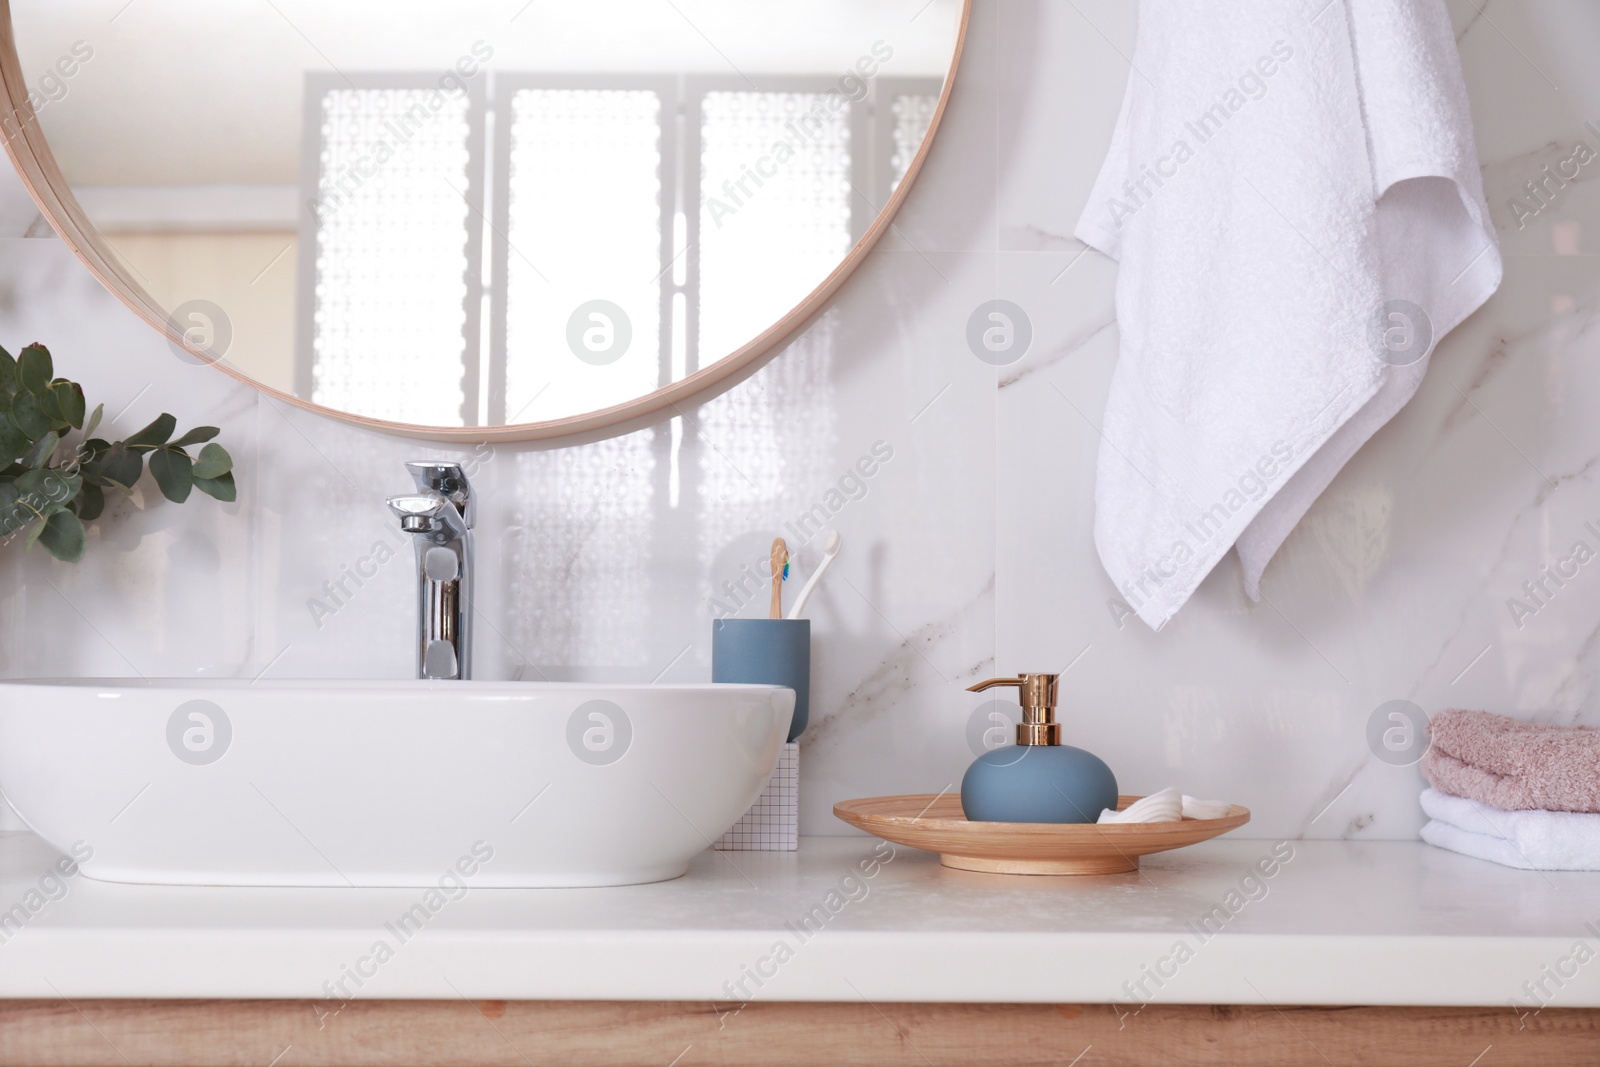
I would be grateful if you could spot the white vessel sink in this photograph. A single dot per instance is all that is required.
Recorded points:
(384, 783)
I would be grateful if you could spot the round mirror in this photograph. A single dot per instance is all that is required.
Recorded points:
(486, 218)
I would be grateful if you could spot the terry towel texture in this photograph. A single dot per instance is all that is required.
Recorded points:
(1530, 840)
(1293, 192)
(1511, 765)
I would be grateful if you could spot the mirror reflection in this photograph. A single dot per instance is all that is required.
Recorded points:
(482, 213)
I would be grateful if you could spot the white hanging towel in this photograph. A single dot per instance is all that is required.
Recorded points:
(1293, 193)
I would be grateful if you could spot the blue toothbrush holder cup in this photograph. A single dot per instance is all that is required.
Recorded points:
(766, 652)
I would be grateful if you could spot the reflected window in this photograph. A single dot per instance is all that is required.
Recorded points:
(572, 242)
(392, 255)
(913, 114)
(581, 256)
(776, 188)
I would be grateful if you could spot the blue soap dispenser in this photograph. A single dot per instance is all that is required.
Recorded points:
(1038, 779)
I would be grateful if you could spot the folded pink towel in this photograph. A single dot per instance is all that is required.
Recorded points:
(1514, 765)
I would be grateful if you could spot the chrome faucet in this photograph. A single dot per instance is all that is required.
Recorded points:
(439, 517)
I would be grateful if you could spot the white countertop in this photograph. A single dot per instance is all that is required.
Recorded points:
(1338, 923)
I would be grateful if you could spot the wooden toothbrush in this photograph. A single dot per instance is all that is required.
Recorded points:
(780, 570)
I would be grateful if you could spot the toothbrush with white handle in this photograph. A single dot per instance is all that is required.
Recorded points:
(829, 551)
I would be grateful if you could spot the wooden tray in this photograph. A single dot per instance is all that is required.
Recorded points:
(936, 823)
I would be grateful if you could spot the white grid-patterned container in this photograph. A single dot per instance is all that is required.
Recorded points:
(773, 822)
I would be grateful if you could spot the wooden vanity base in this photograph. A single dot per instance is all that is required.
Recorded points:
(136, 1033)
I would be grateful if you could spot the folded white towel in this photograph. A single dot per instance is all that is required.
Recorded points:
(1529, 840)
(1168, 805)
(1293, 192)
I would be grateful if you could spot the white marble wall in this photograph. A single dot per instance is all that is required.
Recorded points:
(970, 552)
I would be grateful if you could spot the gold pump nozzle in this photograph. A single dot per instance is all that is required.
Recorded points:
(1038, 695)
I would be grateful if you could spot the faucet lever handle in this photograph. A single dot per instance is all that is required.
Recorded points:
(449, 481)
(427, 512)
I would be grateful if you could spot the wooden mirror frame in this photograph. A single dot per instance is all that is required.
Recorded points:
(30, 154)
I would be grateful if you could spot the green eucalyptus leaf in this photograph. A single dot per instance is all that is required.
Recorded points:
(34, 368)
(28, 416)
(94, 420)
(63, 536)
(196, 435)
(13, 516)
(8, 373)
(34, 531)
(214, 462)
(220, 487)
(174, 473)
(31, 483)
(92, 448)
(42, 450)
(44, 489)
(91, 502)
(68, 399)
(13, 442)
(155, 435)
(117, 466)
(65, 487)
(40, 517)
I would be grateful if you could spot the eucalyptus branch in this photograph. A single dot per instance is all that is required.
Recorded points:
(48, 492)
